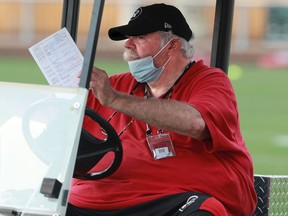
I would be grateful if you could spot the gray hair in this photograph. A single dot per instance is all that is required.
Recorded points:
(186, 46)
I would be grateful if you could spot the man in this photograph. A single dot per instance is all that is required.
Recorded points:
(183, 152)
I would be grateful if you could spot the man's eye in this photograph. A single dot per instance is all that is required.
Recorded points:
(140, 39)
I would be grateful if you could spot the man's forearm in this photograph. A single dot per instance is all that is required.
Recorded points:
(164, 114)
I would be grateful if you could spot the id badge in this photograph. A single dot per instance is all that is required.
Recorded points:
(161, 146)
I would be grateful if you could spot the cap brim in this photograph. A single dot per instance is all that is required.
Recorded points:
(118, 33)
(122, 32)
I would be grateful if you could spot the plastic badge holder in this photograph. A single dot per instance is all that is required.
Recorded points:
(40, 128)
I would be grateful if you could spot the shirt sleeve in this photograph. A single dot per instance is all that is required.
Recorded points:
(213, 96)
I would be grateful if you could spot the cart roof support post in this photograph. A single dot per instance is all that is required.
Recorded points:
(91, 45)
(222, 34)
(70, 16)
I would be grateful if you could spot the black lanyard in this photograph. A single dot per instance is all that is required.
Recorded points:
(168, 93)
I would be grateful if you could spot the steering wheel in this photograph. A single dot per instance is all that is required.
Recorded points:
(91, 150)
(43, 116)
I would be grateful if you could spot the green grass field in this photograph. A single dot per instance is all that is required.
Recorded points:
(262, 99)
(263, 105)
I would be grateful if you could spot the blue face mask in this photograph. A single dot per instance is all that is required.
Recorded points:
(144, 70)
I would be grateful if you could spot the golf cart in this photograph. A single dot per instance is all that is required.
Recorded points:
(43, 144)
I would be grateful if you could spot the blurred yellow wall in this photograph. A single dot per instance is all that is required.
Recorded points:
(47, 18)
(9, 17)
(258, 22)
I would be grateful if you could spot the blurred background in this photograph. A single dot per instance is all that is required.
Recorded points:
(258, 62)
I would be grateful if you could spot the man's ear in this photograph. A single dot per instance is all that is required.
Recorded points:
(174, 44)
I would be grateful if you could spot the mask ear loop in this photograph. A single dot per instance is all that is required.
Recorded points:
(162, 49)
(167, 61)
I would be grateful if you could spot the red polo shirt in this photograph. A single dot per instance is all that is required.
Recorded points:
(221, 166)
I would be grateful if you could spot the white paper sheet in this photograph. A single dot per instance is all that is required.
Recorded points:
(59, 59)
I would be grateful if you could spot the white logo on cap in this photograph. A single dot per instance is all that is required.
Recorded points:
(136, 13)
(167, 26)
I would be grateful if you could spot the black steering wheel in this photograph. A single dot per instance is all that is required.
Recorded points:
(91, 150)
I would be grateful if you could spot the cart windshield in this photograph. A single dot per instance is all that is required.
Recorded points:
(39, 135)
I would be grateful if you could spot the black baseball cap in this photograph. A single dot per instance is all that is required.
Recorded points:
(152, 18)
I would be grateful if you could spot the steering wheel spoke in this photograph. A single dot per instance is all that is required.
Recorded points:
(91, 150)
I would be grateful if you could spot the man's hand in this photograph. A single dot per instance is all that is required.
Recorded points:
(101, 87)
